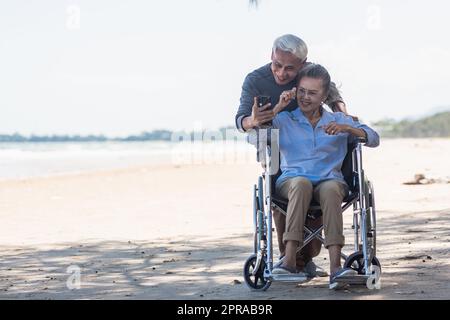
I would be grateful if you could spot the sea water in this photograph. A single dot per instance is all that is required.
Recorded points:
(31, 159)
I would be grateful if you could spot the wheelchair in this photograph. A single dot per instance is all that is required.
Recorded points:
(258, 267)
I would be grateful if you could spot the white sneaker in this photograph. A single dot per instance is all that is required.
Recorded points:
(337, 279)
(278, 263)
(284, 270)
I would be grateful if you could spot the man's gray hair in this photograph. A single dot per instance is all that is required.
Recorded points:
(292, 44)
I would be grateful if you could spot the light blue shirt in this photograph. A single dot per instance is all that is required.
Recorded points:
(311, 152)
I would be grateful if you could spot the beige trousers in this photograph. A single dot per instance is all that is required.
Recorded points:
(300, 191)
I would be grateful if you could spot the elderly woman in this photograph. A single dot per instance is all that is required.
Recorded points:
(313, 145)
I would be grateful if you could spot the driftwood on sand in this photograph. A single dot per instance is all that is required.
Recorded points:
(420, 178)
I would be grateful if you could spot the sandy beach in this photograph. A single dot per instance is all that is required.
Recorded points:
(165, 231)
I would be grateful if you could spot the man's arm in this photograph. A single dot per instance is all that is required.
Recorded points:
(247, 123)
(249, 114)
(335, 101)
(245, 108)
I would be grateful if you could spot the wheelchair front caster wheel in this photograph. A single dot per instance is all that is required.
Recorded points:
(257, 281)
(355, 261)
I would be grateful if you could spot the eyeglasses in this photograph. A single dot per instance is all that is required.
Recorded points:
(304, 92)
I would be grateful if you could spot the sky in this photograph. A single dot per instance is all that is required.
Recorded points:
(122, 67)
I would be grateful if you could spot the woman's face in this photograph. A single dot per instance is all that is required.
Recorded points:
(310, 94)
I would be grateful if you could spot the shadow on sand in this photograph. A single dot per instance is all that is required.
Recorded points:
(413, 249)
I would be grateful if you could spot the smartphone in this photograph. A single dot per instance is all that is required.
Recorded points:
(262, 101)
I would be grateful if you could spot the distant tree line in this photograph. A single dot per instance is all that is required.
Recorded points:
(437, 125)
(155, 135)
(52, 138)
(163, 135)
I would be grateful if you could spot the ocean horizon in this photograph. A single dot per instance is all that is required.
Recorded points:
(20, 160)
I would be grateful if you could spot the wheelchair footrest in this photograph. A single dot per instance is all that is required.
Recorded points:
(355, 279)
(289, 277)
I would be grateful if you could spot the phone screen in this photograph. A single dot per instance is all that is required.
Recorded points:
(263, 100)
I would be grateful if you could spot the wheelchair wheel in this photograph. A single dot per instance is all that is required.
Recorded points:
(255, 219)
(258, 212)
(373, 217)
(370, 215)
(355, 261)
(257, 281)
(260, 194)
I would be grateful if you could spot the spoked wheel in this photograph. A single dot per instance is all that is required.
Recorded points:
(257, 281)
(258, 216)
(255, 219)
(369, 199)
(356, 262)
(260, 194)
(373, 217)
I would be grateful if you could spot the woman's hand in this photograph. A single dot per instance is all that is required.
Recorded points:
(285, 98)
(333, 128)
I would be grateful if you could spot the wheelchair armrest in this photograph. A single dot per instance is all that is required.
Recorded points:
(355, 141)
(360, 140)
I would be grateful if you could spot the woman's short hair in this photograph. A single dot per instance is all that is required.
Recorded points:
(316, 71)
(292, 44)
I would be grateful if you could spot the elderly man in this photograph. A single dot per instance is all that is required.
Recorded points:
(289, 55)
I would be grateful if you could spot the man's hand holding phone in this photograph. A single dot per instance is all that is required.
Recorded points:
(262, 111)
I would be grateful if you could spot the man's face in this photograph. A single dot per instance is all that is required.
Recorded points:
(285, 66)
